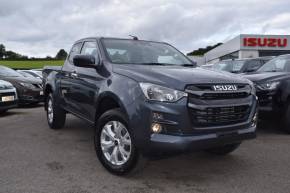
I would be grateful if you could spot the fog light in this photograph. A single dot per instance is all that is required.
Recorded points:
(156, 127)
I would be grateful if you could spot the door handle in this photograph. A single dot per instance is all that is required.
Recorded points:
(74, 75)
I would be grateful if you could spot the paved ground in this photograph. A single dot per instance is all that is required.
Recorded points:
(34, 158)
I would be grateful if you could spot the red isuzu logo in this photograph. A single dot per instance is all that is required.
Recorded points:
(265, 42)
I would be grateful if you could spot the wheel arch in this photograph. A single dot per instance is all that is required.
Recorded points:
(107, 101)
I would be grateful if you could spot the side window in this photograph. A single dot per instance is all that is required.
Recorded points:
(75, 50)
(90, 48)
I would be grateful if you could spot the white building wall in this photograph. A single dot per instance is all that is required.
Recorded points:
(248, 54)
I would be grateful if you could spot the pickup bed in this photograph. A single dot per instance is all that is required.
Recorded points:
(147, 99)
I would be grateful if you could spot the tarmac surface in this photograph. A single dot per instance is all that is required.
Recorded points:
(36, 159)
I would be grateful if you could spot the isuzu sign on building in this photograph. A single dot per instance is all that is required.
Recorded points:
(250, 46)
(264, 42)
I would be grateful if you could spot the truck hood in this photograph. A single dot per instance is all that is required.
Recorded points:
(266, 76)
(175, 76)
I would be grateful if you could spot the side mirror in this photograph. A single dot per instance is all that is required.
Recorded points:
(85, 61)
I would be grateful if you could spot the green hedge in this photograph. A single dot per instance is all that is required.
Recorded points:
(31, 64)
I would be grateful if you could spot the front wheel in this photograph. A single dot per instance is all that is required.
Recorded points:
(115, 145)
(3, 111)
(224, 150)
(55, 115)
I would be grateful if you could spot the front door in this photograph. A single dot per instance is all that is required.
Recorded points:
(89, 81)
(68, 83)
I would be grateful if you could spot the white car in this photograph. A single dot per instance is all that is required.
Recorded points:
(8, 96)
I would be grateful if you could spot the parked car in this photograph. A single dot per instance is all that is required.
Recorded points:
(8, 96)
(241, 65)
(29, 90)
(147, 98)
(33, 73)
(25, 74)
(272, 82)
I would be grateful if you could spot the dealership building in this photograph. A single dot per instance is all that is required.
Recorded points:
(250, 46)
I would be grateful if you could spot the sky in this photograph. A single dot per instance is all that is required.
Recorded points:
(38, 28)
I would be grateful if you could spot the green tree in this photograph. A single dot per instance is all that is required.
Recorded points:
(61, 54)
(202, 51)
(2, 51)
(12, 55)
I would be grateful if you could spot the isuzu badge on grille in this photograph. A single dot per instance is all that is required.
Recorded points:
(225, 87)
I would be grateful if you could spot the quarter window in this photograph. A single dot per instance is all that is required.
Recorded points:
(74, 51)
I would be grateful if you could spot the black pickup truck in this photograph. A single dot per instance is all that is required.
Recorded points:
(147, 99)
(272, 82)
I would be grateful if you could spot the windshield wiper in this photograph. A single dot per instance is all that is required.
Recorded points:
(154, 63)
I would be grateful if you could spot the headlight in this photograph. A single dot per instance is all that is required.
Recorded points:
(27, 85)
(160, 93)
(253, 91)
(268, 85)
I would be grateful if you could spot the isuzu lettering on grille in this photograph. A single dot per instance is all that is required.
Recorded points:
(225, 87)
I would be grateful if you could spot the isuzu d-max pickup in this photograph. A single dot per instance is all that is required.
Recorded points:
(147, 99)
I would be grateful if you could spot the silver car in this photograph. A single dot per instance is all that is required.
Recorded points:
(8, 96)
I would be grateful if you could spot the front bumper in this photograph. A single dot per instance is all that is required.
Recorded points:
(160, 143)
(8, 104)
(179, 133)
(27, 96)
(268, 101)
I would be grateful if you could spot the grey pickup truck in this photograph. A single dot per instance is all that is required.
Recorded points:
(147, 99)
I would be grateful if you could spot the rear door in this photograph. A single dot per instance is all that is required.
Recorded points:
(89, 81)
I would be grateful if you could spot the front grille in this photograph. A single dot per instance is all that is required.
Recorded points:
(214, 116)
(7, 94)
(205, 92)
(38, 85)
(213, 96)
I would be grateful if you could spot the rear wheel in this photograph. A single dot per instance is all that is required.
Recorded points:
(224, 150)
(115, 145)
(55, 115)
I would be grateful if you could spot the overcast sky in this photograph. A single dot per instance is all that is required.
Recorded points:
(42, 27)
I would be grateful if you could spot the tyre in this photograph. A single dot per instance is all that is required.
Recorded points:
(3, 111)
(224, 150)
(286, 119)
(114, 144)
(55, 115)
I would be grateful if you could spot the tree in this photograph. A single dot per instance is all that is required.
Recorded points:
(2, 51)
(61, 54)
(12, 55)
(202, 51)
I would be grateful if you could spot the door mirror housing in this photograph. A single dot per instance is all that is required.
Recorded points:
(86, 61)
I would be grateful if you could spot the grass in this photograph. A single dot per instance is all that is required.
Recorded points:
(30, 64)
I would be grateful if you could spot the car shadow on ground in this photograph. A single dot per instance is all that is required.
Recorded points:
(270, 126)
(28, 106)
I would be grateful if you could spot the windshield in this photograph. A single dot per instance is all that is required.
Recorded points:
(280, 64)
(229, 66)
(143, 52)
(4, 71)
